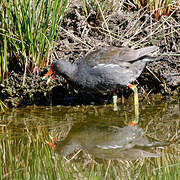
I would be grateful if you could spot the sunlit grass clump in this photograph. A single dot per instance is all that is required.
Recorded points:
(160, 7)
(28, 33)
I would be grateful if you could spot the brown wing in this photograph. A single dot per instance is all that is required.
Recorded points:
(115, 55)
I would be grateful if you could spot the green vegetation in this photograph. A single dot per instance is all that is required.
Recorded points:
(28, 33)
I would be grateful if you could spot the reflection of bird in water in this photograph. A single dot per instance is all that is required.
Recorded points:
(127, 143)
(106, 69)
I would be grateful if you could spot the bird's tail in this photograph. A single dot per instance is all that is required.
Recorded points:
(151, 50)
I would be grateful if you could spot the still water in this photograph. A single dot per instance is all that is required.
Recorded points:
(93, 142)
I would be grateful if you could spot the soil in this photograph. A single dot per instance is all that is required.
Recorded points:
(80, 34)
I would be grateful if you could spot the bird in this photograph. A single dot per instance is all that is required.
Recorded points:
(108, 142)
(106, 69)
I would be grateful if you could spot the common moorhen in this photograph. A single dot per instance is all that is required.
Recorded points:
(108, 142)
(106, 69)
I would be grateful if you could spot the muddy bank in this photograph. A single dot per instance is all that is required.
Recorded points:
(79, 35)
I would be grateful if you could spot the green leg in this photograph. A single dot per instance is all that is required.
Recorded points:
(136, 102)
(115, 102)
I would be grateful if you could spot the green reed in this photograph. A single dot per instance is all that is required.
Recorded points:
(28, 33)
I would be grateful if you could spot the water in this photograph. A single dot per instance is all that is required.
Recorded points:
(25, 154)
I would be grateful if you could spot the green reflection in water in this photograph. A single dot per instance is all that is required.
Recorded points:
(26, 155)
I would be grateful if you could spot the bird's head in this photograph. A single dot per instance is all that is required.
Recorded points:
(56, 68)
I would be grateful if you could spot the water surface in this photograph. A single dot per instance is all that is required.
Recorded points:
(25, 154)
